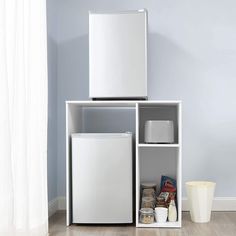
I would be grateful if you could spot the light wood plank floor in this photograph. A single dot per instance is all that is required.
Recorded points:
(222, 224)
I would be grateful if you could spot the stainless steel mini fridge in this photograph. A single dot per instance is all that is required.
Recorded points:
(118, 54)
(102, 178)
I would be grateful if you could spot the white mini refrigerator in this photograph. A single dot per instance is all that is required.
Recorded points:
(102, 178)
(118, 54)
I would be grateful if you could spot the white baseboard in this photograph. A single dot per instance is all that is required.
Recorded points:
(219, 204)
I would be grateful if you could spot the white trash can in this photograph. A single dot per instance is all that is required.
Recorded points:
(200, 196)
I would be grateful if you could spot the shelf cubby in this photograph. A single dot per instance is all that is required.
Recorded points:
(155, 162)
(149, 111)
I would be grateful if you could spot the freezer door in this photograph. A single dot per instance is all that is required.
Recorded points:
(102, 178)
(118, 54)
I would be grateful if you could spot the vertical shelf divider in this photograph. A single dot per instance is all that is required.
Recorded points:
(137, 165)
(179, 165)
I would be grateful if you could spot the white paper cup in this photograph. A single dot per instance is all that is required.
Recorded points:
(161, 214)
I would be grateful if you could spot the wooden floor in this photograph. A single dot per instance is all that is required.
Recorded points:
(222, 224)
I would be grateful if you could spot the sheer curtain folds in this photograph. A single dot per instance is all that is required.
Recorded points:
(23, 118)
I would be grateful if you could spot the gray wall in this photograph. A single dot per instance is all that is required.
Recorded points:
(52, 98)
(191, 57)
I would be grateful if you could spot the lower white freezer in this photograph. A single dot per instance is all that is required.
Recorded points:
(102, 178)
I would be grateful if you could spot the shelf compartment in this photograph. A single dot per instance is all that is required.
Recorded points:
(158, 112)
(154, 162)
(95, 117)
(108, 119)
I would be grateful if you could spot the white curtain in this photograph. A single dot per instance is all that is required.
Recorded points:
(23, 118)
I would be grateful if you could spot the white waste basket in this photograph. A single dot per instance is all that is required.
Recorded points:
(200, 196)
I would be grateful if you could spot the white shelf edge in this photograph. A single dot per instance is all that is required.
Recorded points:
(122, 103)
(133, 102)
(176, 224)
(158, 145)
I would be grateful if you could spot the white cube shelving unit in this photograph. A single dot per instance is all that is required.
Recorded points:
(151, 160)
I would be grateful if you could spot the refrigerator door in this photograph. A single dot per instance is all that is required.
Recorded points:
(118, 54)
(102, 178)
